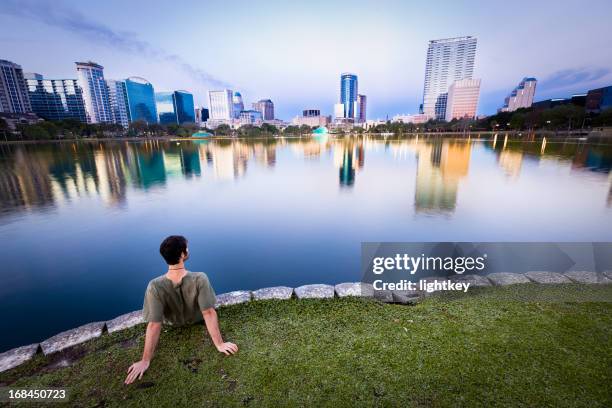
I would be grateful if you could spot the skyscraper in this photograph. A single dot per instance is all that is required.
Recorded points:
(175, 107)
(339, 111)
(56, 99)
(462, 99)
(90, 77)
(166, 112)
(238, 104)
(185, 110)
(361, 108)
(220, 104)
(348, 94)
(448, 60)
(521, 96)
(14, 96)
(117, 93)
(266, 107)
(141, 100)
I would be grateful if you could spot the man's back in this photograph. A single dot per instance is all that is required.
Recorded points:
(178, 304)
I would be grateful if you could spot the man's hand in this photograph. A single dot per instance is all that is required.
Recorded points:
(227, 348)
(136, 370)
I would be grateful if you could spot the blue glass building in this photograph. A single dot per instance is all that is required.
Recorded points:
(56, 99)
(175, 107)
(141, 100)
(348, 94)
(165, 108)
(185, 110)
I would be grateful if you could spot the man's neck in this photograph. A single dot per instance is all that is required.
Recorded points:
(177, 271)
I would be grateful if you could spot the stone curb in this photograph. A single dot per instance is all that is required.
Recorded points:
(507, 278)
(233, 298)
(587, 277)
(17, 356)
(72, 337)
(61, 341)
(317, 291)
(125, 321)
(547, 277)
(275, 292)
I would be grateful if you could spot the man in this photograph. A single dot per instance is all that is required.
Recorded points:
(178, 297)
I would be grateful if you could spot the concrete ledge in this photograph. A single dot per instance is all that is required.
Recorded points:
(17, 356)
(547, 277)
(125, 321)
(473, 280)
(275, 292)
(319, 291)
(586, 277)
(72, 337)
(507, 278)
(233, 298)
(354, 289)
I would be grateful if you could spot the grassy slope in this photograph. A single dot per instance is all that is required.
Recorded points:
(523, 345)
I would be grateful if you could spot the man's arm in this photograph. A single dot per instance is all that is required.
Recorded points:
(212, 324)
(137, 369)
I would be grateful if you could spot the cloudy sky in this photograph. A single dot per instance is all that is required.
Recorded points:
(293, 52)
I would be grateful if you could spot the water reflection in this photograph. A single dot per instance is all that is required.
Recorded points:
(45, 175)
(441, 166)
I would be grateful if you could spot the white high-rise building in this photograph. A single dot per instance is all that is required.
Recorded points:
(95, 92)
(521, 96)
(220, 104)
(339, 111)
(117, 93)
(14, 95)
(462, 99)
(448, 60)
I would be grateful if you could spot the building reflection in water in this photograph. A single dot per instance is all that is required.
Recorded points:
(47, 175)
(441, 166)
(511, 161)
(349, 158)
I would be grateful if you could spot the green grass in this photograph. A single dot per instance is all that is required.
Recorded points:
(524, 345)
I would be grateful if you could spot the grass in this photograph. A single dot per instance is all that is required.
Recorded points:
(523, 345)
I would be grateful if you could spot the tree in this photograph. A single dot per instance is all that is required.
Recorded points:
(223, 130)
(291, 130)
(304, 129)
(268, 128)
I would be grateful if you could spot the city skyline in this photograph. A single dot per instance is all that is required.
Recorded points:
(39, 32)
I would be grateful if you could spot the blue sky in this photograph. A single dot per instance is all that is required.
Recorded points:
(294, 52)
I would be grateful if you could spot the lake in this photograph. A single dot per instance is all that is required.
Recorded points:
(81, 223)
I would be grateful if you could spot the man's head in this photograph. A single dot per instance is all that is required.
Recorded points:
(174, 249)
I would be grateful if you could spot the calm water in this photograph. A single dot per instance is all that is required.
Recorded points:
(81, 223)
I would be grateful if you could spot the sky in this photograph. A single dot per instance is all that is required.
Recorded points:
(293, 52)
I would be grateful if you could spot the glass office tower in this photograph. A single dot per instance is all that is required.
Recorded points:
(56, 99)
(175, 107)
(141, 100)
(448, 60)
(348, 94)
(185, 110)
(165, 108)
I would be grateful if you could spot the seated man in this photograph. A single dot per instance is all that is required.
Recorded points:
(178, 297)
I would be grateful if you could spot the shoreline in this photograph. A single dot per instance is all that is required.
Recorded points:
(73, 337)
(593, 134)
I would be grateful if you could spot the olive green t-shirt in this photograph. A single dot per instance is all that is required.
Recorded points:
(178, 304)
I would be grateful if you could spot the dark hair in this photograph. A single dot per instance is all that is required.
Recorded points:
(172, 248)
